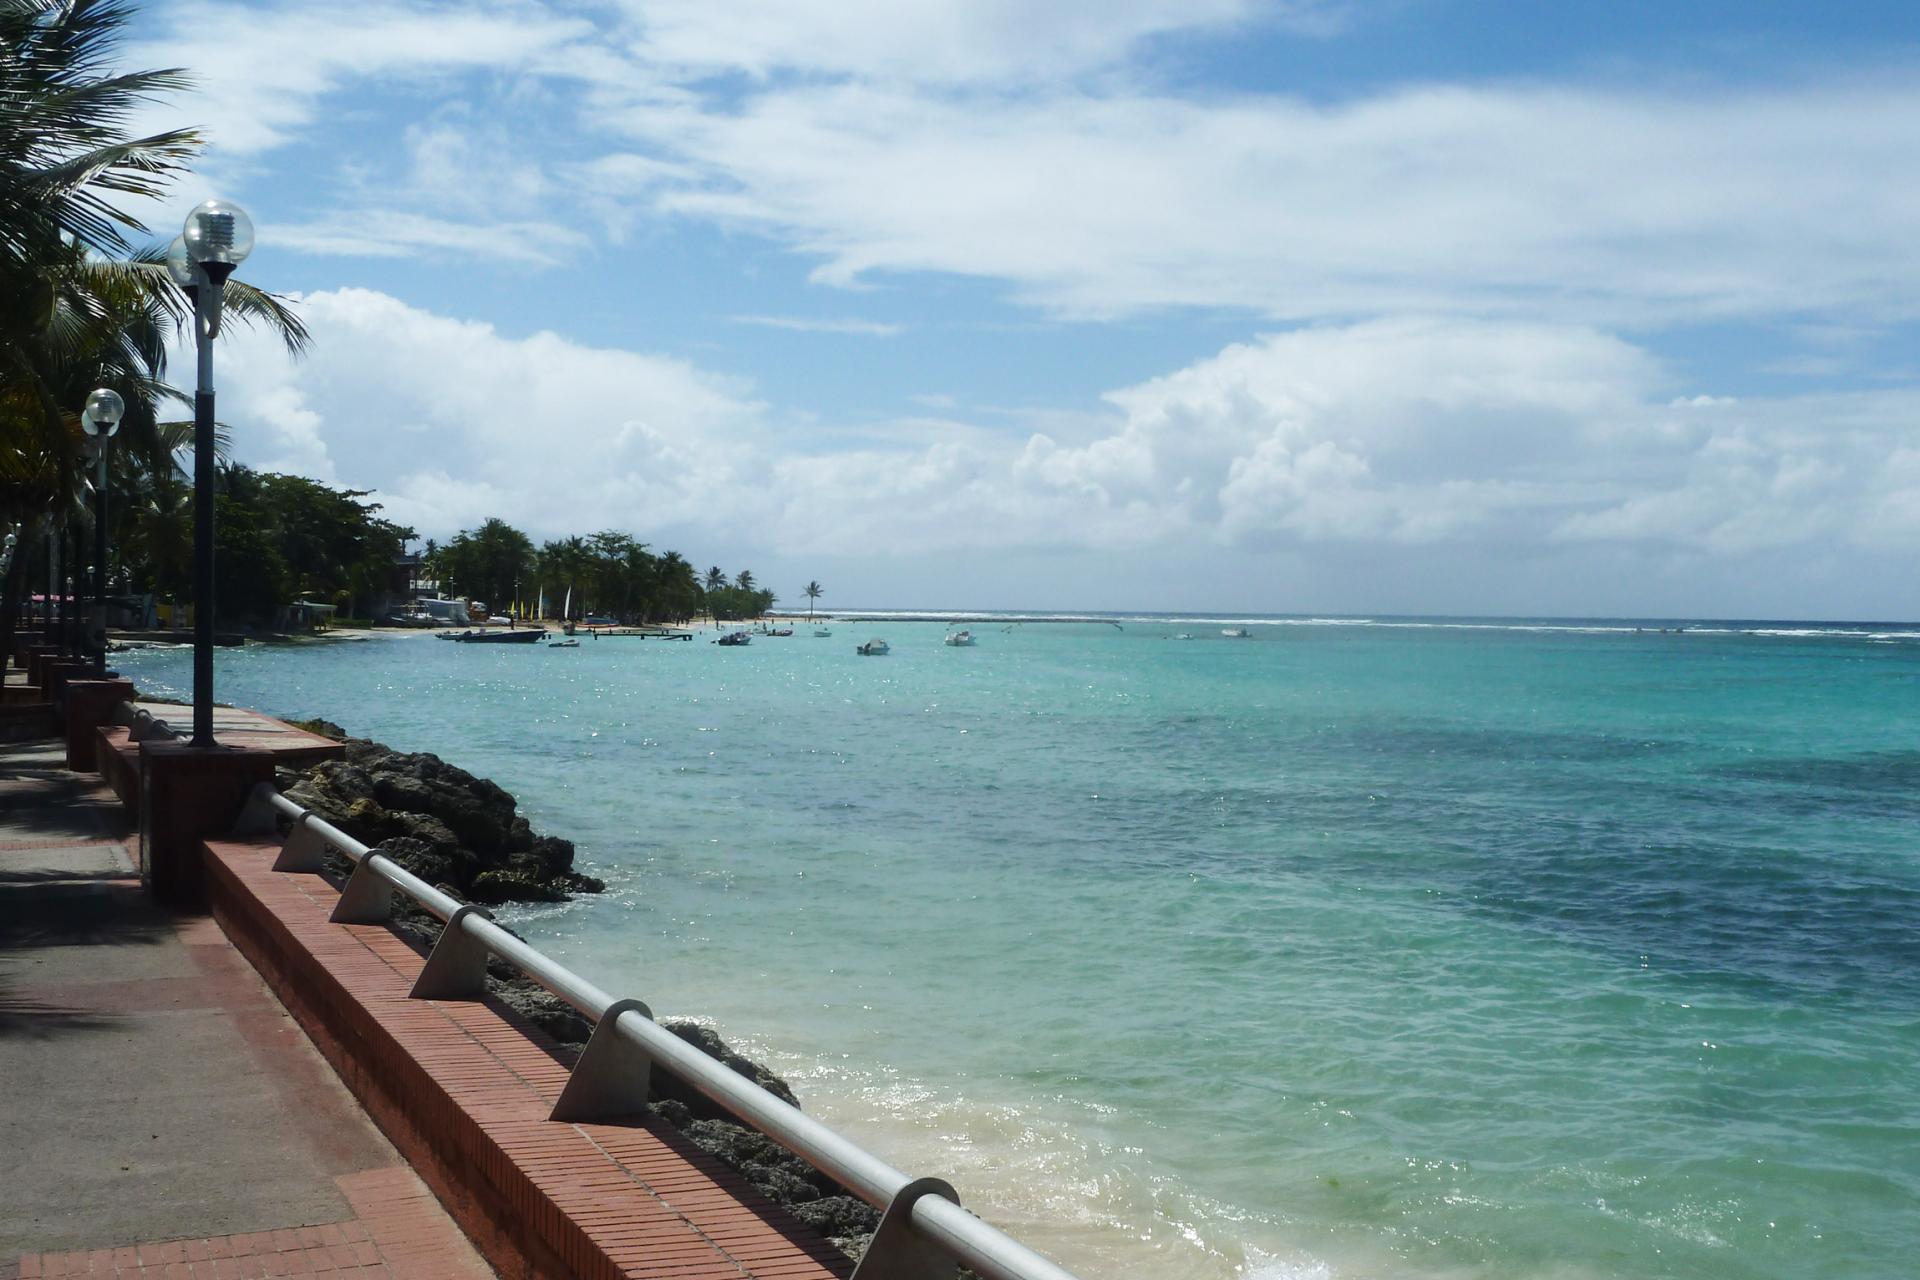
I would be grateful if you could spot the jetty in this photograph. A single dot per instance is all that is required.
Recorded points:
(224, 1059)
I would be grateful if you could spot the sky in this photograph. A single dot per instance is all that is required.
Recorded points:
(1303, 306)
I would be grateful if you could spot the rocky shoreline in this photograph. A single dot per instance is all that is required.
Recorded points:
(464, 835)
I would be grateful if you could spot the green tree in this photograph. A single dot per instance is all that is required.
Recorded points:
(812, 592)
(486, 563)
(79, 308)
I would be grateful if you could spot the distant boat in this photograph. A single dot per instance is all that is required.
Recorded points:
(959, 638)
(1184, 635)
(821, 633)
(1238, 633)
(734, 638)
(874, 649)
(563, 644)
(781, 631)
(523, 635)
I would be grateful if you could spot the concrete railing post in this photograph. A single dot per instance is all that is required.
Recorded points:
(189, 794)
(23, 640)
(57, 672)
(90, 704)
(37, 657)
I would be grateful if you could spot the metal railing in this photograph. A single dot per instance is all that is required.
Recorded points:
(141, 724)
(923, 1230)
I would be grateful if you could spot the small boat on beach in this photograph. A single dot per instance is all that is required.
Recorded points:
(734, 639)
(1238, 633)
(874, 649)
(522, 635)
(959, 639)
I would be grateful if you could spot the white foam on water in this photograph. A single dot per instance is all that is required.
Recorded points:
(1046, 1171)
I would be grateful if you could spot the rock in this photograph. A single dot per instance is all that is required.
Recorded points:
(546, 1011)
(420, 858)
(708, 1041)
(780, 1185)
(554, 853)
(366, 812)
(779, 1174)
(840, 1218)
(430, 830)
(441, 822)
(495, 887)
(674, 1113)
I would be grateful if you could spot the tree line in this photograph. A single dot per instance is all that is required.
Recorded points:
(608, 573)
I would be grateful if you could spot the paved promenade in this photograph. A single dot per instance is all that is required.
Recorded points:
(161, 1115)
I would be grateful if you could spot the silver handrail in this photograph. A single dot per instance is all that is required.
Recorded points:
(925, 1214)
(140, 723)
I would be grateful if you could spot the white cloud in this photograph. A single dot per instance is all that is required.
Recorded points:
(1024, 144)
(1482, 436)
(941, 41)
(1626, 205)
(261, 72)
(823, 324)
(393, 233)
(450, 419)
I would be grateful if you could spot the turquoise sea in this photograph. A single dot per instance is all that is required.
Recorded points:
(1354, 948)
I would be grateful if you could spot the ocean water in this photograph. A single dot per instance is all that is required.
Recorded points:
(1354, 948)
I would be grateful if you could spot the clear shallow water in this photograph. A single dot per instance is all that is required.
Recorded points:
(1391, 949)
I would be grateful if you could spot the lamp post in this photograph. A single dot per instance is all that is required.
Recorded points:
(217, 237)
(100, 420)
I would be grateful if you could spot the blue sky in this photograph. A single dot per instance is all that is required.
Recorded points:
(1410, 306)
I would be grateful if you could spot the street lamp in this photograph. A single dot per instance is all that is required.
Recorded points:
(217, 237)
(101, 419)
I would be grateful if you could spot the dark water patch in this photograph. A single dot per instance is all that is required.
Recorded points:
(1869, 772)
(1763, 921)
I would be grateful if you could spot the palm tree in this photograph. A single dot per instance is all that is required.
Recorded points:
(679, 587)
(745, 580)
(812, 592)
(72, 317)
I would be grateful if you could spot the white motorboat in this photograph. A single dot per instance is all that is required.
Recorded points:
(874, 649)
(1238, 633)
(563, 644)
(821, 633)
(959, 638)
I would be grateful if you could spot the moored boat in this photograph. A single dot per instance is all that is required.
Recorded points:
(959, 639)
(734, 638)
(521, 635)
(821, 633)
(875, 648)
(1238, 633)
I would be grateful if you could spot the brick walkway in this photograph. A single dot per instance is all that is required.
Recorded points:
(398, 1230)
(162, 1115)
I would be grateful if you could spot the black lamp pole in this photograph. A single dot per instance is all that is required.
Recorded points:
(206, 308)
(217, 236)
(100, 419)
